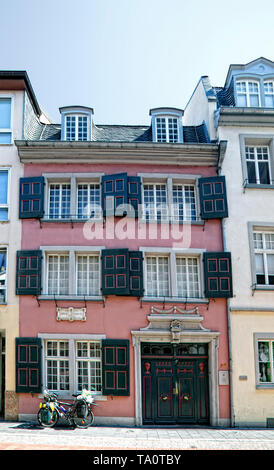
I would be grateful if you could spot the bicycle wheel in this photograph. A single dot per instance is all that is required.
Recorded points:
(47, 420)
(83, 422)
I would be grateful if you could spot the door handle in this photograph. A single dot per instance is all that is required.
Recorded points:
(175, 389)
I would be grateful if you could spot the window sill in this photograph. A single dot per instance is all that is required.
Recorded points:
(69, 220)
(258, 186)
(262, 287)
(176, 300)
(68, 396)
(172, 222)
(264, 386)
(71, 297)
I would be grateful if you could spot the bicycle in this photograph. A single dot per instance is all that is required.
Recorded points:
(78, 413)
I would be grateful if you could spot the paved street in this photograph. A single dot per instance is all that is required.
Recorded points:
(30, 436)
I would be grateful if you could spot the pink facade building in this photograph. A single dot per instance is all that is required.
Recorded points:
(122, 277)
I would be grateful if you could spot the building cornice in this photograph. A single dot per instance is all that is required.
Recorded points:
(234, 116)
(118, 152)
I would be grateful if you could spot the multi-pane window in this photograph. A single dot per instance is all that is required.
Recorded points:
(4, 180)
(155, 202)
(167, 129)
(187, 272)
(5, 120)
(264, 257)
(57, 365)
(3, 275)
(247, 93)
(265, 361)
(184, 202)
(88, 365)
(157, 276)
(269, 94)
(88, 280)
(88, 200)
(258, 164)
(77, 128)
(58, 274)
(59, 200)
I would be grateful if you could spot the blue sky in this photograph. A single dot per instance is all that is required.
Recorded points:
(123, 57)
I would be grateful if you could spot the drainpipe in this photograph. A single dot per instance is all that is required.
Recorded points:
(222, 149)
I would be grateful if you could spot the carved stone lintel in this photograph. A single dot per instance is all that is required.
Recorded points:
(174, 310)
(71, 314)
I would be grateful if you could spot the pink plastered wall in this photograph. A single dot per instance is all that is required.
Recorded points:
(119, 316)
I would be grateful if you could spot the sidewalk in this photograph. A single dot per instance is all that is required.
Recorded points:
(29, 435)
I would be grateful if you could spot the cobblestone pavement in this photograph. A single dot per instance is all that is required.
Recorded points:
(30, 436)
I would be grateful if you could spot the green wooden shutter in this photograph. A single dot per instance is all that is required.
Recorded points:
(114, 194)
(115, 367)
(136, 287)
(134, 193)
(115, 272)
(31, 197)
(28, 272)
(218, 274)
(213, 200)
(28, 365)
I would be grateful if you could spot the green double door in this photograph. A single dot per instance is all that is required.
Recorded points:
(175, 383)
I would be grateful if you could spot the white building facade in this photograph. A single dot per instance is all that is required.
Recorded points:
(242, 113)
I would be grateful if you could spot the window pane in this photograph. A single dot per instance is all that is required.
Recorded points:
(88, 275)
(157, 276)
(187, 277)
(4, 186)
(264, 172)
(5, 113)
(5, 137)
(3, 274)
(58, 274)
(264, 363)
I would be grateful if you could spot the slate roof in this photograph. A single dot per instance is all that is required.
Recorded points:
(224, 96)
(120, 133)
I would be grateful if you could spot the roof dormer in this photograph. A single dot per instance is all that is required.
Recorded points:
(249, 85)
(167, 125)
(76, 123)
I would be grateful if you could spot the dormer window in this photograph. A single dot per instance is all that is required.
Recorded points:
(167, 129)
(167, 125)
(76, 127)
(248, 94)
(76, 123)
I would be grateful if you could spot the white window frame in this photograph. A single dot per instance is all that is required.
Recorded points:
(256, 161)
(173, 254)
(60, 202)
(89, 360)
(7, 205)
(58, 255)
(97, 209)
(73, 179)
(88, 255)
(171, 180)
(264, 251)
(267, 94)
(5, 286)
(166, 119)
(263, 337)
(72, 340)
(77, 116)
(8, 130)
(247, 92)
(72, 252)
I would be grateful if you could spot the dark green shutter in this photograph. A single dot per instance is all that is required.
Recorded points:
(115, 272)
(114, 194)
(28, 365)
(218, 274)
(213, 200)
(31, 197)
(136, 273)
(115, 367)
(134, 193)
(28, 272)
